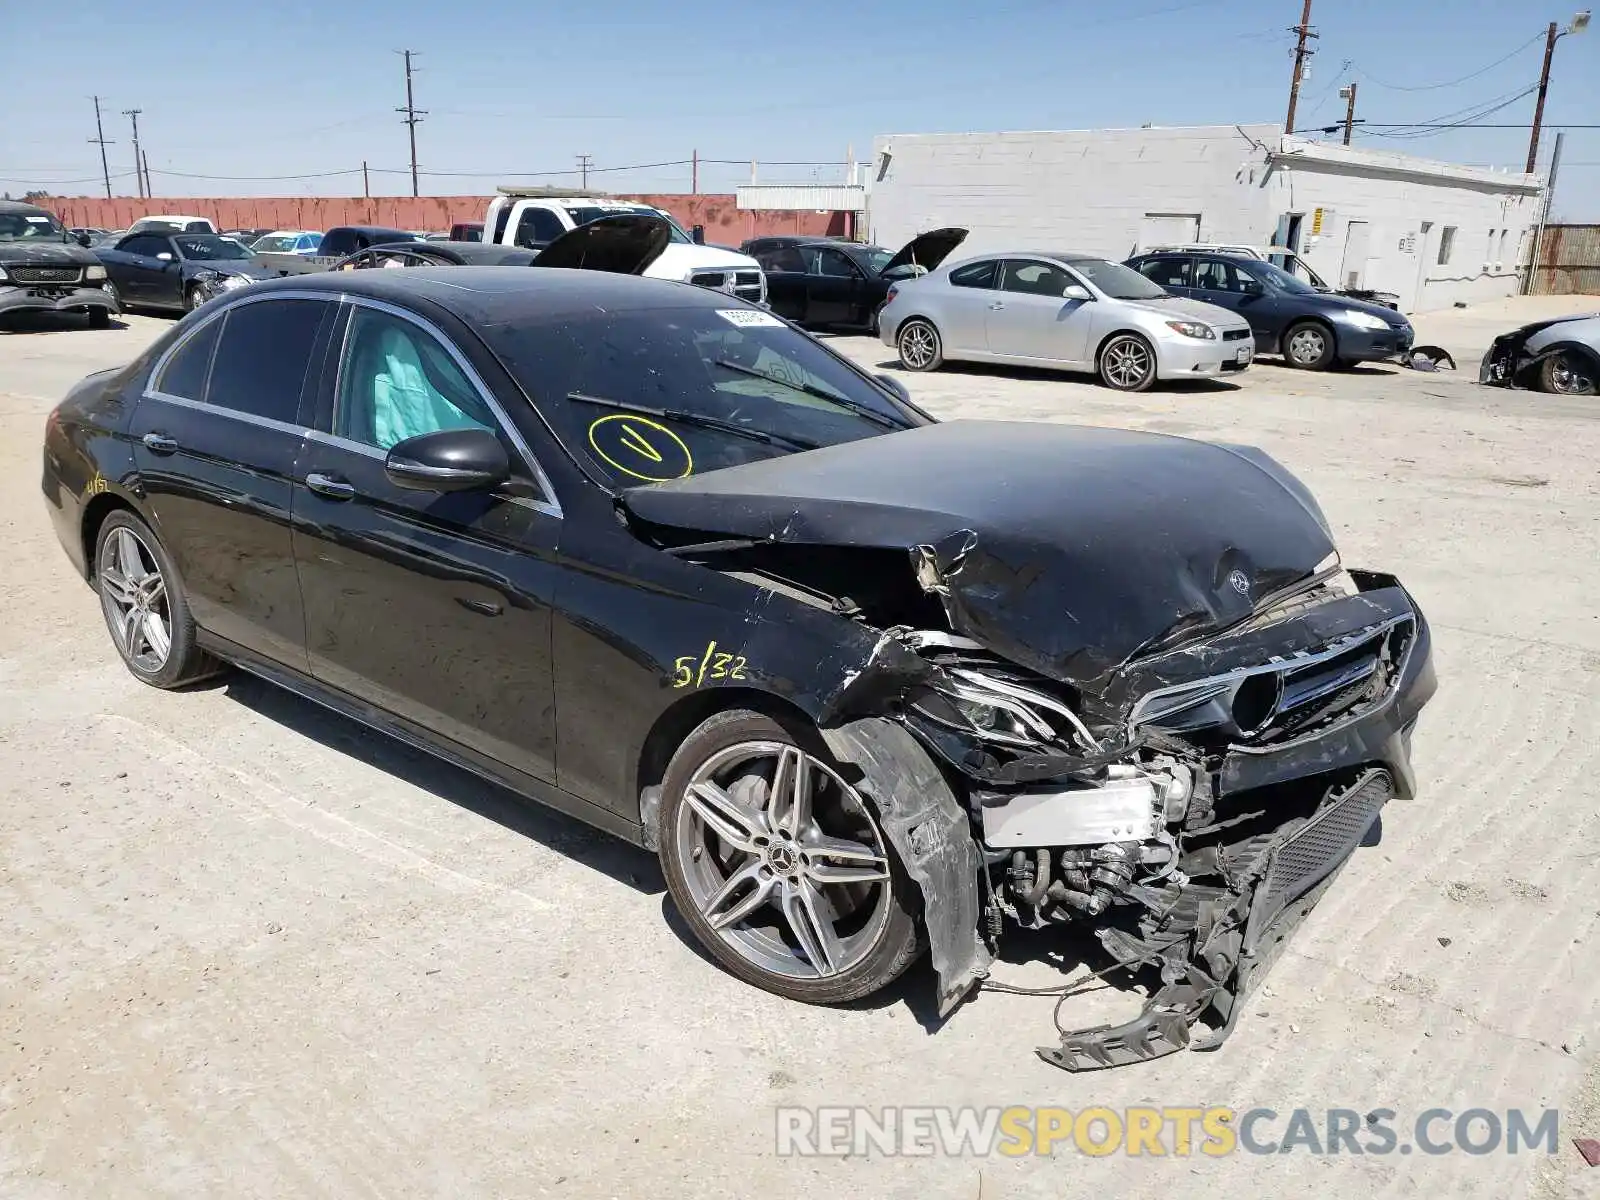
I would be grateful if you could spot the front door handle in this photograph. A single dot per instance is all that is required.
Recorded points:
(160, 443)
(331, 487)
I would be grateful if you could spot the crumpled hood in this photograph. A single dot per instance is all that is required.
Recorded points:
(46, 254)
(234, 266)
(1066, 549)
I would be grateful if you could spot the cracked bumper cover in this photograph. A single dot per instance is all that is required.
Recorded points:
(17, 297)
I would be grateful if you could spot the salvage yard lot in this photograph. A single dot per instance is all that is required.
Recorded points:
(250, 949)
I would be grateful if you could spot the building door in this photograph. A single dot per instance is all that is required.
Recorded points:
(1353, 272)
(1288, 232)
(1168, 229)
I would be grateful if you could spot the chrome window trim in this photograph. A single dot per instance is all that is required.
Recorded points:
(551, 505)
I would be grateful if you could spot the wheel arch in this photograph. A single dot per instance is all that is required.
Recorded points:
(917, 316)
(95, 512)
(1135, 331)
(676, 722)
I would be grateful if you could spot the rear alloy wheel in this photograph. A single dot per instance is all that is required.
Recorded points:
(779, 866)
(919, 346)
(1567, 374)
(144, 605)
(1127, 363)
(1308, 346)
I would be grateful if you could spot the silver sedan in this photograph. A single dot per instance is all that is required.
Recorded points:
(1071, 311)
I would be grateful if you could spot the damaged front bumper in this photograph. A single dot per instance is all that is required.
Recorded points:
(54, 298)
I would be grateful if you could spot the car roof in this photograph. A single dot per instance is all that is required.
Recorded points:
(497, 294)
(19, 206)
(405, 234)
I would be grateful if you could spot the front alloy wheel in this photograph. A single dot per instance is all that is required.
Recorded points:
(1568, 375)
(779, 865)
(1127, 363)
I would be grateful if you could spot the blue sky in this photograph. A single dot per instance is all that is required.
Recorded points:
(301, 89)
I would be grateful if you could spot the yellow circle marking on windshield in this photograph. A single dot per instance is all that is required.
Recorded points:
(652, 448)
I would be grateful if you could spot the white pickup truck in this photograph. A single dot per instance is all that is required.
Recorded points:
(534, 217)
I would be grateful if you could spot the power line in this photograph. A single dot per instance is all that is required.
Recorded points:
(412, 116)
(1433, 129)
(584, 163)
(1429, 87)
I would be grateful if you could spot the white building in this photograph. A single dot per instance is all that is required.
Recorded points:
(1433, 233)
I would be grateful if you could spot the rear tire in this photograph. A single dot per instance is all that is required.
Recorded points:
(919, 345)
(99, 318)
(1309, 346)
(1567, 374)
(144, 605)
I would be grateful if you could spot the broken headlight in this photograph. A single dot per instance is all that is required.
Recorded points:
(995, 709)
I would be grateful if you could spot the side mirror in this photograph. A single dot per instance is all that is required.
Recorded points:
(83, 239)
(890, 384)
(1076, 291)
(451, 460)
(698, 233)
(165, 256)
(1252, 287)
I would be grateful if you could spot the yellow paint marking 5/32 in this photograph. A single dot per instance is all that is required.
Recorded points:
(692, 670)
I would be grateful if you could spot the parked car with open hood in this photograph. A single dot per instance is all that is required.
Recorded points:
(1313, 330)
(869, 683)
(534, 217)
(1063, 310)
(176, 270)
(1561, 355)
(822, 282)
(43, 267)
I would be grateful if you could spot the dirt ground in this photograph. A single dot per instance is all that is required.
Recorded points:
(250, 949)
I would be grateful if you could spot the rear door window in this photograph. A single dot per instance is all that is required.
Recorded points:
(262, 358)
(184, 374)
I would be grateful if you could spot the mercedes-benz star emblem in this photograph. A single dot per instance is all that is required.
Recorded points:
(1239, 581)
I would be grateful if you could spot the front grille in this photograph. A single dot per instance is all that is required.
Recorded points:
(45, 274)
(1314, 851)
(744, 284)
(1235, 335)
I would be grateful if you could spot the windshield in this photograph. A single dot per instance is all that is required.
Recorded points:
(1282, 280)
(209, 247)
(1115, 280)
(874, 259)
(582, 216)
(273, 243)
(657, 394)
(30, 227)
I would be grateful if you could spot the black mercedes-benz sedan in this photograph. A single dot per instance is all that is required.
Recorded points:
(872, 685)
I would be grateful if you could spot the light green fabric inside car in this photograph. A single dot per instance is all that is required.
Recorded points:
(404, 401)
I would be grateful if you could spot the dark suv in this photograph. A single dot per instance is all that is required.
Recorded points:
(42, 266)
(1312, 330)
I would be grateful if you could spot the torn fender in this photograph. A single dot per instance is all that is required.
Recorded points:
(931, 833)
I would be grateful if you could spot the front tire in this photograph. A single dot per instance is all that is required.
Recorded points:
(144, 606)
(99, 318)
(1308, 347)
(193, 298)
(1127, 363)
(1567, 374)
(779, 866)
(920, 346)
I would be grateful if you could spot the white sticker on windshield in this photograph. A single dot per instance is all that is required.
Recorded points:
(38, 220)
(748, 318)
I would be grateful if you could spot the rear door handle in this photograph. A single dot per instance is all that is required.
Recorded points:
(160, 443)
(331, 486)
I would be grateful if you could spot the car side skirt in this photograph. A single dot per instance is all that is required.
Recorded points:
(525, 786)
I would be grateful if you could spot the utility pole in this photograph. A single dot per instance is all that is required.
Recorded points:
(100, 138)
(1580, 22)
(412, 115)
(144, 157)
(138, 176)
(584, 163)
(1303, 31)
(366, 187)
(1349, 93)
(1530, 281)
(694, 173)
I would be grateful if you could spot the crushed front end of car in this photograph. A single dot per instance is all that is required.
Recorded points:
(1119, 681)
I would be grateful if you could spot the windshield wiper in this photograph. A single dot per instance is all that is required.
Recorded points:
(861, 410)
(703, 422)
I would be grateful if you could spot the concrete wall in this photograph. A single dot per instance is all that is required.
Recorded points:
(1085, 190)
(1113, 192)
(718, 213)
(1492, 213)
